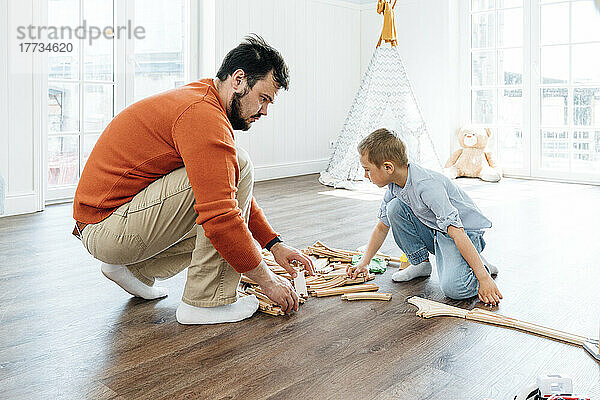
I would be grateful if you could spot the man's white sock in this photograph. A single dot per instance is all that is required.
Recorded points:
(243, 308)
(123, 277)
(412, 272)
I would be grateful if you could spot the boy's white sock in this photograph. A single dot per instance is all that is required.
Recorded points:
(412, 272)
(492, 268)
(123, 277)
(243, 308)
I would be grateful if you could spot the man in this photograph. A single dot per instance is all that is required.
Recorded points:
(166, 189)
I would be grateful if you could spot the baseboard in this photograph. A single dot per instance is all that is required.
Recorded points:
(284, 170)
(555, 180)
(28, 203)
(20, 204)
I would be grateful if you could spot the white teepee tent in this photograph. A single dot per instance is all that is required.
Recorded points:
(385, 99)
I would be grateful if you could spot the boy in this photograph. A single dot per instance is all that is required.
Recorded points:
(428, 213)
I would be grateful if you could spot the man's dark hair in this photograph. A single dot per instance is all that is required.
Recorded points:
(256, 58)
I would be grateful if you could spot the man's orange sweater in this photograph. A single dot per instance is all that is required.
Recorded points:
(187, 126)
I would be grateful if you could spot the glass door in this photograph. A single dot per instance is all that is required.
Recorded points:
(81, 89)
(157, 62)
(88, 86)
(535, 80)
(566, 104)
(499, 80)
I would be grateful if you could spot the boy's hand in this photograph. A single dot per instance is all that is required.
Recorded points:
(354, 270)
(488, 291)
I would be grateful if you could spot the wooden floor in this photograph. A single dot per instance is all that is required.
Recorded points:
(67, 332)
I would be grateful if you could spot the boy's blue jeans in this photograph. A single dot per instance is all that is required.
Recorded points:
(417, 240)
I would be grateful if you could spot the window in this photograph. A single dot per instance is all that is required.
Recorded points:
(84, 87)
(535, 80)
(159, 58)
(569, 88)
(497, 75)
(80, 92)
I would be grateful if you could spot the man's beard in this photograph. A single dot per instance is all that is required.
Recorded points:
(235, 114)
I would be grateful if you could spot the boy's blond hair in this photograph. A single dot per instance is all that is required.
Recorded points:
(383, 145)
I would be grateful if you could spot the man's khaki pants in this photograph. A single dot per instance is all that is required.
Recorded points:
(155, 236)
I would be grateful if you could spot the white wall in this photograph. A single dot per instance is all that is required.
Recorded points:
(21, 154)
(320, 41)
(428, 37)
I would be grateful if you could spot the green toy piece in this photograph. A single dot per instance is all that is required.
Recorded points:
(377, 265)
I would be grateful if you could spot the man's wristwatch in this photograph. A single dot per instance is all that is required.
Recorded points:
(273, 242)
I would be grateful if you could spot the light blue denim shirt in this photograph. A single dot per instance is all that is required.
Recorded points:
(436, 201)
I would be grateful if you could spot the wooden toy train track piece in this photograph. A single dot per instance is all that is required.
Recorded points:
(367, 296)
(338, 271)
(429, 308)
(331, 283)
(265, 305)
(337, 280)
(245, 279)
(359, 279)
(315, 280)
(367, 287)
(339, 255)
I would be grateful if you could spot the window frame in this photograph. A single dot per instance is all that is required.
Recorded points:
(123, 81)
(466, 87)
(60, 193)
(536, 166)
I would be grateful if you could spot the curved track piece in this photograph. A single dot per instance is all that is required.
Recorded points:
(429, 308)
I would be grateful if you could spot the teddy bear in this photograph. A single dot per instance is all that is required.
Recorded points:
(472, 160)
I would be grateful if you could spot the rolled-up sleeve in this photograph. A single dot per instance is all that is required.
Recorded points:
(435, 197)
(387, 197)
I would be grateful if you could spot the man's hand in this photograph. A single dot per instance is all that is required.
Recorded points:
(354, 270)
(488, 291)
(280, 290)
(287, 257)
(276, 288)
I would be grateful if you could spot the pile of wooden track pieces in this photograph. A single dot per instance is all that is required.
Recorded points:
(265, 304)
(330, 278)
(248, 287)
(342, 256)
